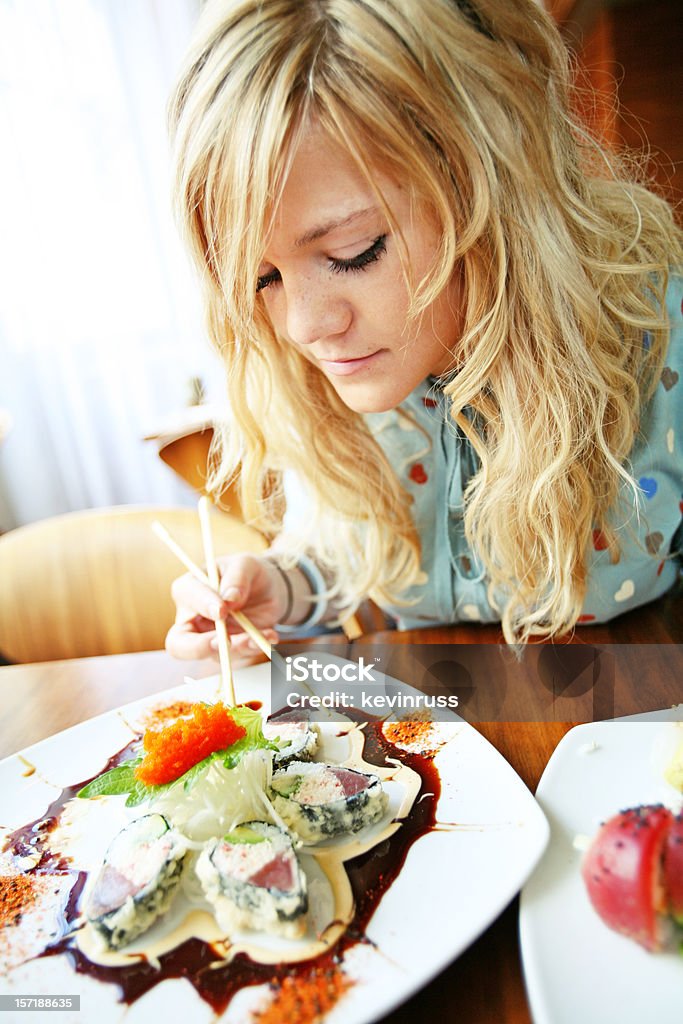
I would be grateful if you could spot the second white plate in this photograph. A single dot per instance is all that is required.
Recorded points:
(575, 968)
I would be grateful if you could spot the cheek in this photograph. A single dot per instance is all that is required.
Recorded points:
(444, 315)
(272, 301)
(384, 295)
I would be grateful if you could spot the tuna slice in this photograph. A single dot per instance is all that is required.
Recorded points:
(137, 882)
(321, 800)
(253, 880)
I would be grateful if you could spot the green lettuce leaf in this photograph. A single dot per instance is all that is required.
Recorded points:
(114, 782)
(120, 780)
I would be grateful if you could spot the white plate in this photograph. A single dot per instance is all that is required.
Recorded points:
(453, 884)
(575, 968)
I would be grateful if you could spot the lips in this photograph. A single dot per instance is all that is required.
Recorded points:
(345, 367)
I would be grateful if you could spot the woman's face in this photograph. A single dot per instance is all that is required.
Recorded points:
(333, 285)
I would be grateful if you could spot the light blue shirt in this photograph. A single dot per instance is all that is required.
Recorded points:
(435, 462)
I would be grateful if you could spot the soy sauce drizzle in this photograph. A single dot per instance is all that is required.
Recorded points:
(370, 875)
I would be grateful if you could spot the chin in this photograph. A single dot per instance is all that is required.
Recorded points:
(371, 400)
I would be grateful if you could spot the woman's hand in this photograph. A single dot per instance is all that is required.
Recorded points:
(249, 584)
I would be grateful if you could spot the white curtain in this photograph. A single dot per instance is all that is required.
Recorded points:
(100, 328)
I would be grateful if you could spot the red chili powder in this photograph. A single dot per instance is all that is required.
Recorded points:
(412, 734)
(305, 999)
(172, 751)
(157, 717)
(16, 895)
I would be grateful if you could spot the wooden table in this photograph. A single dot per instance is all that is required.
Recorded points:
(485, 984)
(39, 700)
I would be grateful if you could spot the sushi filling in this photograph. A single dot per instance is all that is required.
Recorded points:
(296, 738)
(137, 881)
(253, 880)
(320, 800)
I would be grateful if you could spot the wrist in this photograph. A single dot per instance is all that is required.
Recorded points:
(292, 593)
(306, 604)
(304, 597)
(283, 589)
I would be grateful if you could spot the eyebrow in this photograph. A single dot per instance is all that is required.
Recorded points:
(324, 229)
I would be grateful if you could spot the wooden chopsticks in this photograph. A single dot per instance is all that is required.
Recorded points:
(214, 580)
(211, 579)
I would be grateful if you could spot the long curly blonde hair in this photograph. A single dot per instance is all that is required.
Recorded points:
(564, 260)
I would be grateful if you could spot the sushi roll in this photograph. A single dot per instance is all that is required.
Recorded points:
(296, 738)
(252, 879)
(137, 881)
(322, 800)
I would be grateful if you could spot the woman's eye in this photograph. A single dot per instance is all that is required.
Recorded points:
(363, 259)
(264, 280)
(339, 266)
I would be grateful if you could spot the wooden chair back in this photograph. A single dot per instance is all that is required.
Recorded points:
(188, 456)
(98, 582)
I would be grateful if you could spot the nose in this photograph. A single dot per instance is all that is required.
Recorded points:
(314, 313)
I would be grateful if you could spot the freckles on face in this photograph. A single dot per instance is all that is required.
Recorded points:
(333, 284)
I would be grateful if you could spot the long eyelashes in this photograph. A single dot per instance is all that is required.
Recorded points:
(267, 279)
(370, 255)
(363, 259)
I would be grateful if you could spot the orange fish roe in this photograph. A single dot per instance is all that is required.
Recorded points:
(305, 998)
(172, 751)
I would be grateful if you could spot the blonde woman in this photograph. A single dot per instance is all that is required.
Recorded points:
(443, 311)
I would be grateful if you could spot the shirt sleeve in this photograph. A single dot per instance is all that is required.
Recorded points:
(649, 530)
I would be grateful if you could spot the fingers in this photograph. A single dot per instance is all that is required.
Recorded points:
(245, 583)
(238, 574)
(187, 592)
(241, 643)
(191, 640)
(195, 639)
